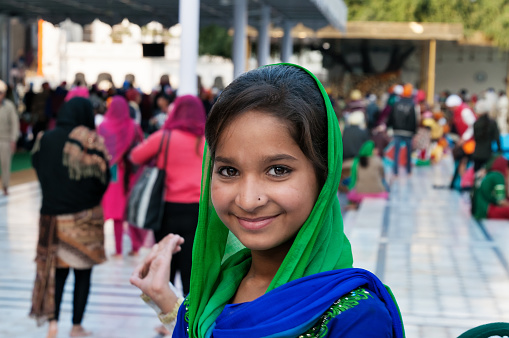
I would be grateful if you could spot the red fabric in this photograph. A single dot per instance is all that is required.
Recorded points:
(421, 96)
(137, 236)
(356, 197)
(114, 200)
(188, 114)
(118, 129)
(467, 180)
(402, 154)
(461, 126)
(118, 231)
(119, 132)
(132, 95)
(498, 212)
(77, 92)
(183, 168)
(499, 165)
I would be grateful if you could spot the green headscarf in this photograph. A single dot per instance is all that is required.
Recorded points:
(220, 261)
(365, 151)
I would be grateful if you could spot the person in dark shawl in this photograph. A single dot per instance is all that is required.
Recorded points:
(71, 162)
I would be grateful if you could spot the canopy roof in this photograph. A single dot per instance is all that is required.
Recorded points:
(312, 13)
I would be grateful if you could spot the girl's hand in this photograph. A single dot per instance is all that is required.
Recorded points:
(153, 275)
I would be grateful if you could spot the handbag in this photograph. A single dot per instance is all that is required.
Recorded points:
(145, 206)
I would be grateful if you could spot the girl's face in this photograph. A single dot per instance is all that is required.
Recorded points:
(263, 186)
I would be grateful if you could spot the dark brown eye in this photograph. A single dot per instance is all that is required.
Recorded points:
(279, 171)
(228, 171)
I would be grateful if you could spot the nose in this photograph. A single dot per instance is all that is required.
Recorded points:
(250, 195)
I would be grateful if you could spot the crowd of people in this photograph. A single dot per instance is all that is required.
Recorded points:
(26, 114)
(404, 130)
(246, 219)
(87, 158)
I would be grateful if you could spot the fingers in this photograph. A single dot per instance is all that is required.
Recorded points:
(174, 241)
(135, 280)
(148, 260)
(156, 264)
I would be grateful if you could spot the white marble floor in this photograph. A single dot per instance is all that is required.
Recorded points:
(114, 308)
(448, 272)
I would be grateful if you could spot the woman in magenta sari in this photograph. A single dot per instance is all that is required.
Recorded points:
(121, 134)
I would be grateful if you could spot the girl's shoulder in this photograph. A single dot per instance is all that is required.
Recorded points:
(356, 314)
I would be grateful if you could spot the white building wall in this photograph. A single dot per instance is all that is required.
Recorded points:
(461, 67)
(457, 67)
(63, 60)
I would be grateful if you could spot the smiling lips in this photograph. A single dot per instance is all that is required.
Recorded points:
(255, 223)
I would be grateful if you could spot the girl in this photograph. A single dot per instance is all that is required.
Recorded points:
(270, 257)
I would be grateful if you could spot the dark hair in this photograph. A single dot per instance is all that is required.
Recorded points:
(286, 92)
(364, 161)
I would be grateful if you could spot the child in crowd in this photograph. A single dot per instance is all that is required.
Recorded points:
(270, 256)
(368, 176)
(490, 198)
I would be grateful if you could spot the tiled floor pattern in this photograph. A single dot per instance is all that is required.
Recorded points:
(114, 308)
(446, 271)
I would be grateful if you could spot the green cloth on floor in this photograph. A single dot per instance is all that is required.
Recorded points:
(21, 161)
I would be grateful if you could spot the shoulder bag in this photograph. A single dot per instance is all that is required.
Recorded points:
(145, 206)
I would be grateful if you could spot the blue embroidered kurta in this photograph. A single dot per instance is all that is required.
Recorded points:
(364, 308)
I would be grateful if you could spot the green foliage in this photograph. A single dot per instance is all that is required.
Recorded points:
(488, 16)
(214, 40)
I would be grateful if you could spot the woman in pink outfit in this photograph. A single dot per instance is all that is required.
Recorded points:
(186, 123)
(120, 134)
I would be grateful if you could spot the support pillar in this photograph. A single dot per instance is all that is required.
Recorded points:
(432, 56)
(264, 37)
(189, 19)
(507, 79)
(239, 37)
(287, 43)
(5, 35)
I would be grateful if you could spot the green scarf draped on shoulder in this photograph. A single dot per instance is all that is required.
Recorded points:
(220, 261)
(365, 151)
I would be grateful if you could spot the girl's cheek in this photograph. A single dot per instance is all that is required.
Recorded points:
(218, 194)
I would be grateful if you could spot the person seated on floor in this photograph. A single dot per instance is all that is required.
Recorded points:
(489, 198)
(367, 177)
(354, 136)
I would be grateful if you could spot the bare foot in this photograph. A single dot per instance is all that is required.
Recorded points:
(163, 331)
(52, 329)
(79, 331)
(352, 206)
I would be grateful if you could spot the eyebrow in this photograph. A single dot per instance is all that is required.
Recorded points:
(267, 159)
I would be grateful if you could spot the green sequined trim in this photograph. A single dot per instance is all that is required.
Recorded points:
(346, 302)
(186, 316)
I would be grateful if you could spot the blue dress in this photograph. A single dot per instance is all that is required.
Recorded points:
(310, 307)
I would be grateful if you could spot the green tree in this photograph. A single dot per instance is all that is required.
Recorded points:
(491, 17)
(215, 40)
